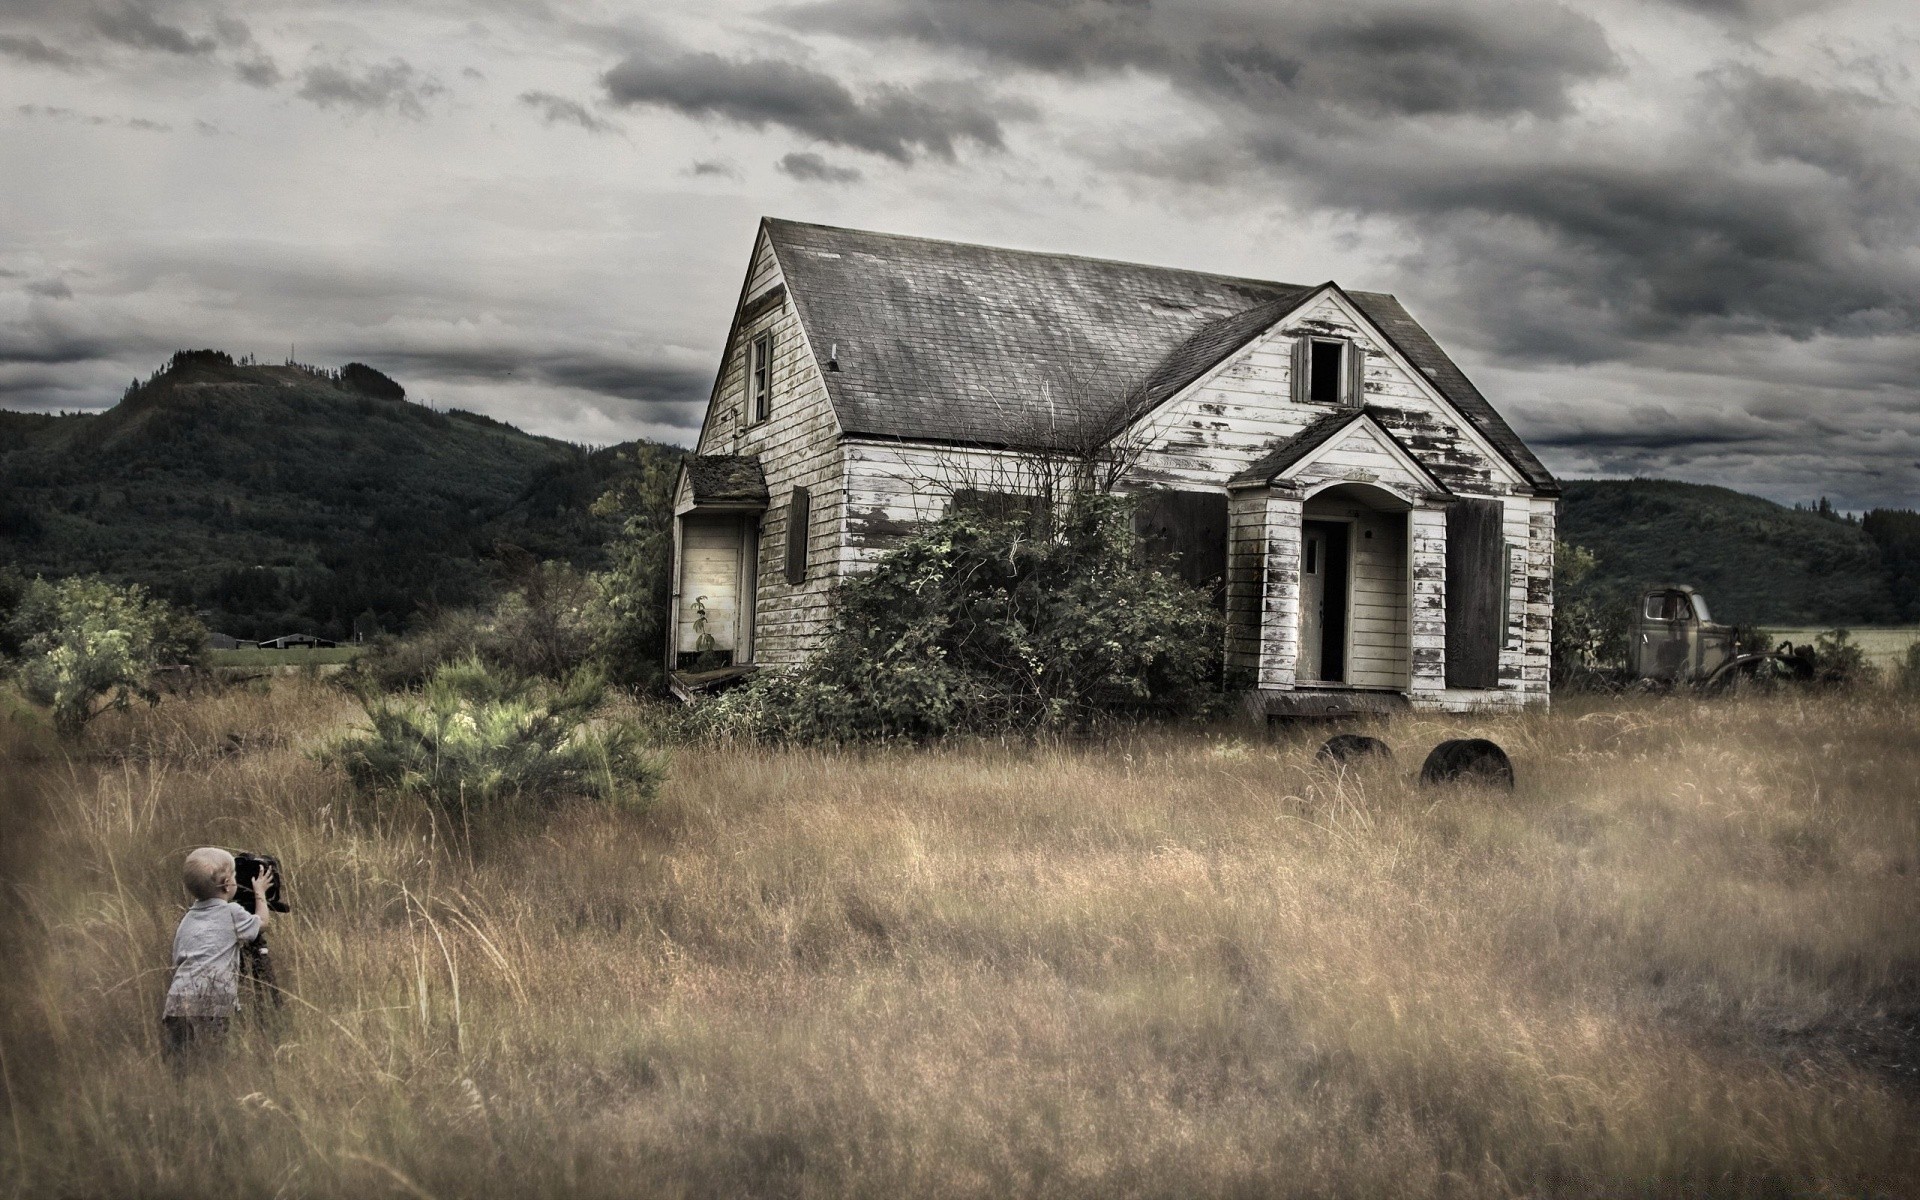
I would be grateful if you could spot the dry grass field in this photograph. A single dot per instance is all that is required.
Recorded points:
(1681, 958)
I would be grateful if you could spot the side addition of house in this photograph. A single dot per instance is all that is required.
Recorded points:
(1376, 535)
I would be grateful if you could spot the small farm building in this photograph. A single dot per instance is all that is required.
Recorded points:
(1377, 536)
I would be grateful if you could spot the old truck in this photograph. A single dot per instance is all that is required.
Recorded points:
(1674, 641)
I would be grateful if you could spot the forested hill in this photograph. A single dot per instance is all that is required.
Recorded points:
(1757, 562)
(278, 498)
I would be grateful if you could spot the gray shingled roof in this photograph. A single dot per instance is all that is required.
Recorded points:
(728, 478)
(950, 342)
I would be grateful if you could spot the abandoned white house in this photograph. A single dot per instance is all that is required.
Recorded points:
(1377, 535)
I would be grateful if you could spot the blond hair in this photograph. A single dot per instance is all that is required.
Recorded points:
(207, 872)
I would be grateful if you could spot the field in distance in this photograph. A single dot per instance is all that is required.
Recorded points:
(1885, 647)
(1680, 958)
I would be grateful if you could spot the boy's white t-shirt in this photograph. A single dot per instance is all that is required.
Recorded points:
(206, 959)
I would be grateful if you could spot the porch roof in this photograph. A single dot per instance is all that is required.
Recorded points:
(734, 479)
(1290, 452)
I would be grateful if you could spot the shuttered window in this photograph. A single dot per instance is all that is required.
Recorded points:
(799, 512)
(1328, 371)
(1476, 587)
(760, 376)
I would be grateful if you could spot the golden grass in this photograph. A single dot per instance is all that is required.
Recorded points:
(1683, 957)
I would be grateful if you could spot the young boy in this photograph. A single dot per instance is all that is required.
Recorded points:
(206, 951)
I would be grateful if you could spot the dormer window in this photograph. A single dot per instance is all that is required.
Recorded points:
(760, 377)
(1328, 371)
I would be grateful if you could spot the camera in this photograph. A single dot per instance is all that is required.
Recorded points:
(246, 868)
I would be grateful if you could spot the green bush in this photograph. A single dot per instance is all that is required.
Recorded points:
(475, 739)
(977, 625)
(1590, 620)
(1839, 661)
(86, 645)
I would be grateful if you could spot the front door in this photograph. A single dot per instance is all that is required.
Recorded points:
(1313, 600)
(1323, 603)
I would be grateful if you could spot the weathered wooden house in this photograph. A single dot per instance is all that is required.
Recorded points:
(1380, 537)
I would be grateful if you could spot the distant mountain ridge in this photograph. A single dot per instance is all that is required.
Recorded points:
(1756, 561)
(278, 497)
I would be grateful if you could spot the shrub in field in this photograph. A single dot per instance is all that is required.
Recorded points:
(1589, 620)
(1840, 661)
(86, 645)
(978, 624)
(546, 626)
(474, 738)
(1906, 676)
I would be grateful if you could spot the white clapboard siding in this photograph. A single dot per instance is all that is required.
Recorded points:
(1229, 418)
(891, 488)
(709, 577)
(798, 445)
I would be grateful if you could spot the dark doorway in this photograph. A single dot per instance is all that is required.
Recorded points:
(1323, 602)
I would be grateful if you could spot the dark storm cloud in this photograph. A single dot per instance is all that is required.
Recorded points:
(31, 49)
(132, 25)
(815, 169)
(391, 86)
(757, 92)
(558, 110)
(1371, 59)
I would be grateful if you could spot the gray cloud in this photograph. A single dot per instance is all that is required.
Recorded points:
(757, 92)
(704, 167)
(393, 85)
(810, 167)
(31, 49)
(558, 110)
(1373, 58)
(55, 113)
(131, 25)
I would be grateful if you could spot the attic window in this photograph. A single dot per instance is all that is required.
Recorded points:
(760, 376)
(1329, 371)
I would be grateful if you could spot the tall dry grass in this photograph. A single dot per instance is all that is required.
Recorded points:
(1683, 957)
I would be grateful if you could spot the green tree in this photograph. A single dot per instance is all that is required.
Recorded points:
(87, 645)
(631, 593)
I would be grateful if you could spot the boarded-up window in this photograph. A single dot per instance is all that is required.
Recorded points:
(1476, 585)
(799, 511)
(1186, 531)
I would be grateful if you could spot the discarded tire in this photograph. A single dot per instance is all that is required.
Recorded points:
(1352, 747)
(1468, 760)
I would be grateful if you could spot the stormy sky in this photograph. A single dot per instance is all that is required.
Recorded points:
(1677, 238)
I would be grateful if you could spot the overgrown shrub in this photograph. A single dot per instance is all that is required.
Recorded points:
(547, 626)
(86, 645)
(474, 739)
(1590, 620)
(977, 625)
(1839, 661)
(1906, 676)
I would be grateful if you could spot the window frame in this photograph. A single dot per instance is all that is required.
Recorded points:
(1349, 383)
(760, 377)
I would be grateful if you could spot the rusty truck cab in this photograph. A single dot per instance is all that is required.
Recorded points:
(1673, 636)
